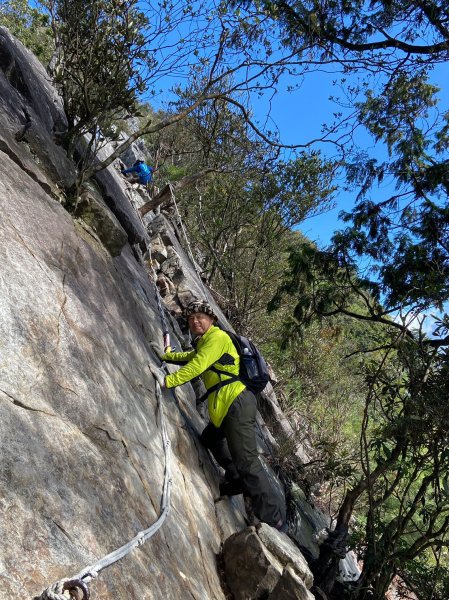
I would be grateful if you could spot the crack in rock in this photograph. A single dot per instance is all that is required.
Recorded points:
(21, 404)
(13, 156)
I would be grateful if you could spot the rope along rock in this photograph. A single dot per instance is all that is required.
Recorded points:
(78, 583)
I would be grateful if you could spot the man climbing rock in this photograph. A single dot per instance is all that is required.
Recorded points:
(141, 173)
(231, 435)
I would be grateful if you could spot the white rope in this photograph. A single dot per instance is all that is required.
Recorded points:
(81, 579)
(189, 249)
(78, 583)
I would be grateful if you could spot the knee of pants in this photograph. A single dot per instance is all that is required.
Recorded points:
(248, 465)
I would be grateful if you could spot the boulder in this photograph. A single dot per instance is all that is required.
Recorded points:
(165, 286)
(257, 558)
(158, 251)
(171, 268)
(185, 298)
(290, 587)
(251, 570)
(285, 551)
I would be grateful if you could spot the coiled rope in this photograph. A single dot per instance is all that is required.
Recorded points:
(78, 583)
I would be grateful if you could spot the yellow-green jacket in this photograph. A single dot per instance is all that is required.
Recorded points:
(214, 349)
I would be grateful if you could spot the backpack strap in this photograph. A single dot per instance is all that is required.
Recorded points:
(231, 379)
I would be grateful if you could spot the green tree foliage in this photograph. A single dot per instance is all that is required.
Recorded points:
(392, 31)
(319, 376)
(300, 187)
(99, 46)
(391, 48)
(240, 216)
(406, 463)
(405, 236)
(30, 26)
(401, 240)
(401, 484)
(243, 232)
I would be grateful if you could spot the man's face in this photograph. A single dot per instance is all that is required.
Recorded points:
(199, 323)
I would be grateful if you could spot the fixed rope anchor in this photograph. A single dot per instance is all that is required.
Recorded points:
(73, 585)
(76, 586)
(77, 589)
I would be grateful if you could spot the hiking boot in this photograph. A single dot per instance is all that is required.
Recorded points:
(281, 526)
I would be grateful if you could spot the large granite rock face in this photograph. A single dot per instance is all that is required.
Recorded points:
(82, 460)
(31, 116)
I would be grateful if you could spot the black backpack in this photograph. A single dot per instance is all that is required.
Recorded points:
(253, 368)
(253, 372)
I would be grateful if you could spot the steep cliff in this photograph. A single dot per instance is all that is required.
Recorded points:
(83, 465)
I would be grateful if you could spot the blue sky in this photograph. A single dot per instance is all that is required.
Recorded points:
(300, 115)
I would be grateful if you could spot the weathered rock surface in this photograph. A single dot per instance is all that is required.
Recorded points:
(263, 563)
(251, 570)
(290, 587)
(286, 551)
(94, 212)
(82, 461)
(31, 115)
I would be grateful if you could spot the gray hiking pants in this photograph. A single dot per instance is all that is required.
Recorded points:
(234, 447)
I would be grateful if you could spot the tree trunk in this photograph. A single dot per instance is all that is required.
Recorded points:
(374, 581)
(326, 568)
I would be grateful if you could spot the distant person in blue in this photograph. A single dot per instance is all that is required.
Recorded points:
(142, 173)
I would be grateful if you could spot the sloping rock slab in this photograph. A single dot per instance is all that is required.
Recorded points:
(34, 110)
(230, 515)
(82, 461)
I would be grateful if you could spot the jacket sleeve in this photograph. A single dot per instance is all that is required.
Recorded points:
(205, 357)
(130, 170)
(178, 357)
